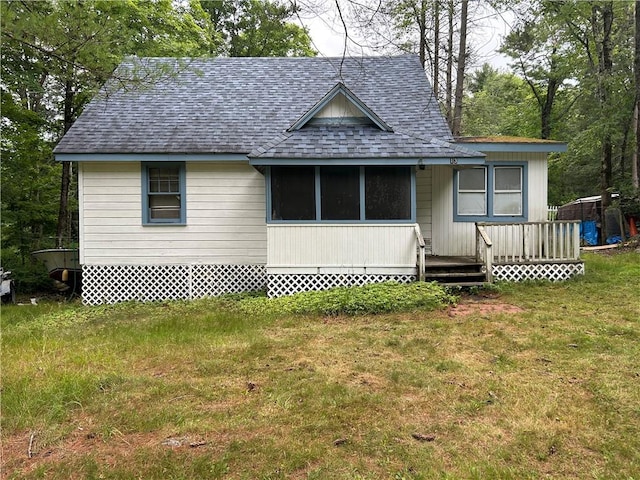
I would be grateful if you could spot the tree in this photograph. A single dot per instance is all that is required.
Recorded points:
(576, 58)
(542, 56)
(456, 120)
(498, 104)
(605, 82)
(635, 162)
(253, 28)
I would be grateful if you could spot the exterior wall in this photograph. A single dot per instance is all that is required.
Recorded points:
(424, 203)
(225, 217)
(339, 248)
(458, 238)
(339, 107)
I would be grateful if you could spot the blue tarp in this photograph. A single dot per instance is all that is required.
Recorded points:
(589, 232)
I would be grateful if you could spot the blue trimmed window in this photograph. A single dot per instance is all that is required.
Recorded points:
(495, 192)
(163, 193)
(340, 194)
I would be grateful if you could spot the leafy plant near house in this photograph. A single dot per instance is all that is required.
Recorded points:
(368, 299)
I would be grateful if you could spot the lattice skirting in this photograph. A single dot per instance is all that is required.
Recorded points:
(288, 284)
(555, 272)
(145, 283)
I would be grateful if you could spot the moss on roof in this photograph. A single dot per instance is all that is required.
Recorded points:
(503, 139)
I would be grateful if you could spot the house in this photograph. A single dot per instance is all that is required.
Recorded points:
(290, 174)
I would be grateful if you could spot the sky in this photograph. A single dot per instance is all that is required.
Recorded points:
(488, 30)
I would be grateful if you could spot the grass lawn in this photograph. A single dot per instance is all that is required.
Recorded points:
(535, 380)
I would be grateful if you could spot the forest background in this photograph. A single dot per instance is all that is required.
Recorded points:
(573, 75)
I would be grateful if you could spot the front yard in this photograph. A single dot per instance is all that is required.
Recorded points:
(535, 380)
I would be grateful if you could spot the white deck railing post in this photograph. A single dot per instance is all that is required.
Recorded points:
(576, 241)
(482, 239)
(421, 253)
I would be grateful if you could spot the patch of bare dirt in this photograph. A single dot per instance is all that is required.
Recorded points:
(26, 451)
(483, 306)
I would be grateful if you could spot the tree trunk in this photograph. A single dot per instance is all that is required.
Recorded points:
(462, 61)
(636, 66)
(547, 108)
(436, 48)
(65, 182)
(421, 18)
(634, 154)
(605, 69)
(449, 94)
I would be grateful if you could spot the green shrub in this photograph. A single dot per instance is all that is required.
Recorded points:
(30, 276)
(369, 299)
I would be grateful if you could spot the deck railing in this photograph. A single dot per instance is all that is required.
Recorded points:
(531, 241)
(484, 247)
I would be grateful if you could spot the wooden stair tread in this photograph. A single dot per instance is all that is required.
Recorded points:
(453, 274)
(467, 284)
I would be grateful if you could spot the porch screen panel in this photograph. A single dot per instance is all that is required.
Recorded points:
(340, 193)
(472, 191)
(293, 193)
(387, 193)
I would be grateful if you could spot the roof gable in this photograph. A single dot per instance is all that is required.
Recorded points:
(340, 90)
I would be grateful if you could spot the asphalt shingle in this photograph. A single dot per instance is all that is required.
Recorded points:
(242, 105)
(349, 141)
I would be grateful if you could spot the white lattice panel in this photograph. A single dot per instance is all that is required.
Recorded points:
(145, 283)
(555, 272)
(288, 284)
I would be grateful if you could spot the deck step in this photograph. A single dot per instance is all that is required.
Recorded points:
(453, 274)
(468, 284)
(455, 271)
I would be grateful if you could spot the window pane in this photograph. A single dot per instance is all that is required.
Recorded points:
(340, 193)
(508, 178)
(164, 207)
(164, 180)
(387, 193)
(472, 204)
(507, 204)
(293, 193)
(472, 179)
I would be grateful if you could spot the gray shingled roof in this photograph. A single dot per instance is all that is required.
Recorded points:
(237, 105)
(350, 141)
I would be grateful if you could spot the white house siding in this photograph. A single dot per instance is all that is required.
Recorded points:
(335, 249)
(339, 107)
(424, 203)
(225, 217)
(458, 238)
